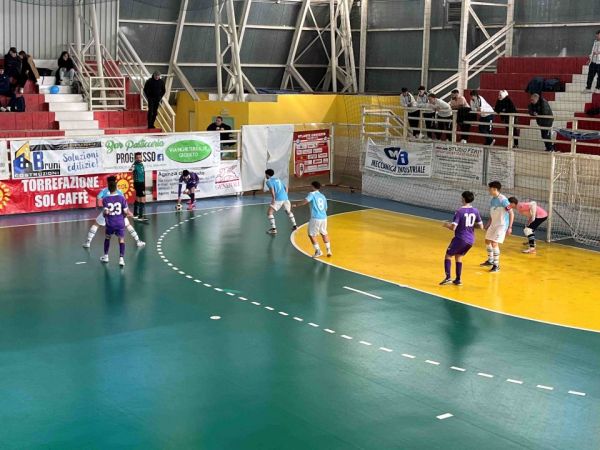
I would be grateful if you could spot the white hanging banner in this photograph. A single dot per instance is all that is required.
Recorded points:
(458, 163)
(4, 166)
(400, 159)
(501, 167)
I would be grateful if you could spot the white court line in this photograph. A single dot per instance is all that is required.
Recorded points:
(406, 355)
(283, 313)
(444, 416)
(581, 394)
(365, 343)
(345, 336)
(80, 262)
(189, 277)
(198, 281)
(313, 324)
(243, 298)
(207, 285)
(256, 303)
(433, 363)
(181, 272)
(547, 388)
(385, 349)
(218, 289)
(298, 319)
(458, 369)
(485, 375)
(270, 308)
(362, 292)
(231, 294)
(510, 380)
(327, 330)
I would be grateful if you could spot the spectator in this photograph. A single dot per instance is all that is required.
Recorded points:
(505, 105)
(28, 69)
(219, 125)
(5, 89)
(154, 90)
(486, 115)
(66, 69)
(423, 105)
(409, 103)
(443, 114)
(463, 113)
(594, 66)
(538, 106)
(12, 64)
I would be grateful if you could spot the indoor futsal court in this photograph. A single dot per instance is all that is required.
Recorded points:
(217, 335)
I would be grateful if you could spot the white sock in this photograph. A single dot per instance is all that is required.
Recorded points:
(328, 246)
(496, 256)
(133, 233)
(92, 233)
(292, 218)
(490, 252)
(316, 246)
(272, 221)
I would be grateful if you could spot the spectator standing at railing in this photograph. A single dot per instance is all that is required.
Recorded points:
(463, 113)
(538, 106)
(219, 125)
(486, 115)
(154, 90)
(443, 114)
(594, 66)
(423, 106)
(66, 69)
(408, 102)
(505, 105)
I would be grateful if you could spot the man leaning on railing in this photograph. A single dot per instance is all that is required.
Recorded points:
(540, 109)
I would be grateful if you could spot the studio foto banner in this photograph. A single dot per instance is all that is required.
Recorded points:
(54, 193)
(400, 159)
(501, 167)
(63, 157)
(458, 163)
(311, 153)
(214, 181)
(4, 167)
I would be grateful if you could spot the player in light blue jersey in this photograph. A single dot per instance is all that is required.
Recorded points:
(498, 226)
(318, 218)
(101, 220)
(279, 198)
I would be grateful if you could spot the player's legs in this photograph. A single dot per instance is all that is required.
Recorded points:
(495, 257)
(122, 248)
(271, 218)
(192, 194)
(327, 243)
(530, 234)
(100, 222)
(134, 234)
(288, 209)
(104, 257)
(490, 253)
(140, 199)
(313, 233)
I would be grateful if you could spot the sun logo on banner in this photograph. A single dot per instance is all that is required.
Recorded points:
(4, 195)
(125, 184)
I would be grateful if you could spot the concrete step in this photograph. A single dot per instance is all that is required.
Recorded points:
(585, 70)
(63, 98)
(45, 89)
(573, 97)
(84, 132)
(47, 81)
(566, 107)
(78, 125)
(68, 107)
(74, 115)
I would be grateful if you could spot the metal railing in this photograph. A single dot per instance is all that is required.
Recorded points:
(137, 72)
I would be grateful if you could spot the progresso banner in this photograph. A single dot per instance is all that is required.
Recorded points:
(37, 158)
(400, 159)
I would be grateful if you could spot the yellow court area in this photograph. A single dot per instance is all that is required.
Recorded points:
(559, 285)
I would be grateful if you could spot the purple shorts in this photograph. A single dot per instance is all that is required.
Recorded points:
(458, 247)
(117, 231)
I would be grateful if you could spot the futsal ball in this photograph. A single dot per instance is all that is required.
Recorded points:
(54, 90)
(178, 207)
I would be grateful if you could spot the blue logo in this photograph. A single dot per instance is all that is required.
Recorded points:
(397, 154)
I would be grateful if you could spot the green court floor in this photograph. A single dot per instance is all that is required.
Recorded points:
(96, 357)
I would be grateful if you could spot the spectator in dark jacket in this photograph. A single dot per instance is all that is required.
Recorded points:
(12, 64)
(538, 106)
(5, 89)
(154, 90)
(66, 69)
(505, 105)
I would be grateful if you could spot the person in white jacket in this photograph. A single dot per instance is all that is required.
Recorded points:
(486, 115)
(594, 66)
(443, 114)
(409, 103)
(424, 108)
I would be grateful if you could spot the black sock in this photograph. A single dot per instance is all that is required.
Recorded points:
(192, 198)
(142, 207)
(136, 208)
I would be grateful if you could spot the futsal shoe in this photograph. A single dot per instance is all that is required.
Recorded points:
(191, 206)
(486, 263)
(530, 250)
(329, 254)
(294, 228)
(104, 259)
(495, 269)
(122, 261)
(318, 253)
(141, 244)
(446, 281)
(87, 244)
(272, 231)
(457, 283)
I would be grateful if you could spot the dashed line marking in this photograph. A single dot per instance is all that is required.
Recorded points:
(433, 363)
(283, 313)
(485, 375)
(385, 349)
(406, 355)
(81, 262)
(215, 317)
(313, 324)
(299, 319)
(547, 388)
(198, 281)
(458, 369)
(170, 264)
(243, 299)
(256, 303)
(175, 268)
(345, 336)
(231, 294)
(358, 291)
(327, 330)
(181, 272)
(207, 285)
(189, 277)
(444, 416)
(218, 289)
(510, 380)
(270, 308)
(365, 343)
(581, 394)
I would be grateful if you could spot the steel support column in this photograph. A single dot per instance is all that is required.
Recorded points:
(364, 16)
(463, 64)
(426, 42)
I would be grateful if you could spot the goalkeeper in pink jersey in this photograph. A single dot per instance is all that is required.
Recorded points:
(536, 215)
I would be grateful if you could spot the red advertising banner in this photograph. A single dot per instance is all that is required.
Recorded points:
(54, 193)
(311, 153)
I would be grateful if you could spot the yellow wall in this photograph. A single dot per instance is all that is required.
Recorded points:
(293, 109)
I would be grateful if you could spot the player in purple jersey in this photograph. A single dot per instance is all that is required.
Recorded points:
(115, 211)
(191, 180)
(463, 226)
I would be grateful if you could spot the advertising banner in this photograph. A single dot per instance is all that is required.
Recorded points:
(4, 167)
(214, 181)
(458, 163)
(400, 159)
(177, 151)
(55, 193)
(501, 167)
(311, 153)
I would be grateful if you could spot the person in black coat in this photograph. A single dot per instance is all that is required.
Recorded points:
(538, 106)
(12, 64)
(154, 90)
(505, 105)
(66, 69)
